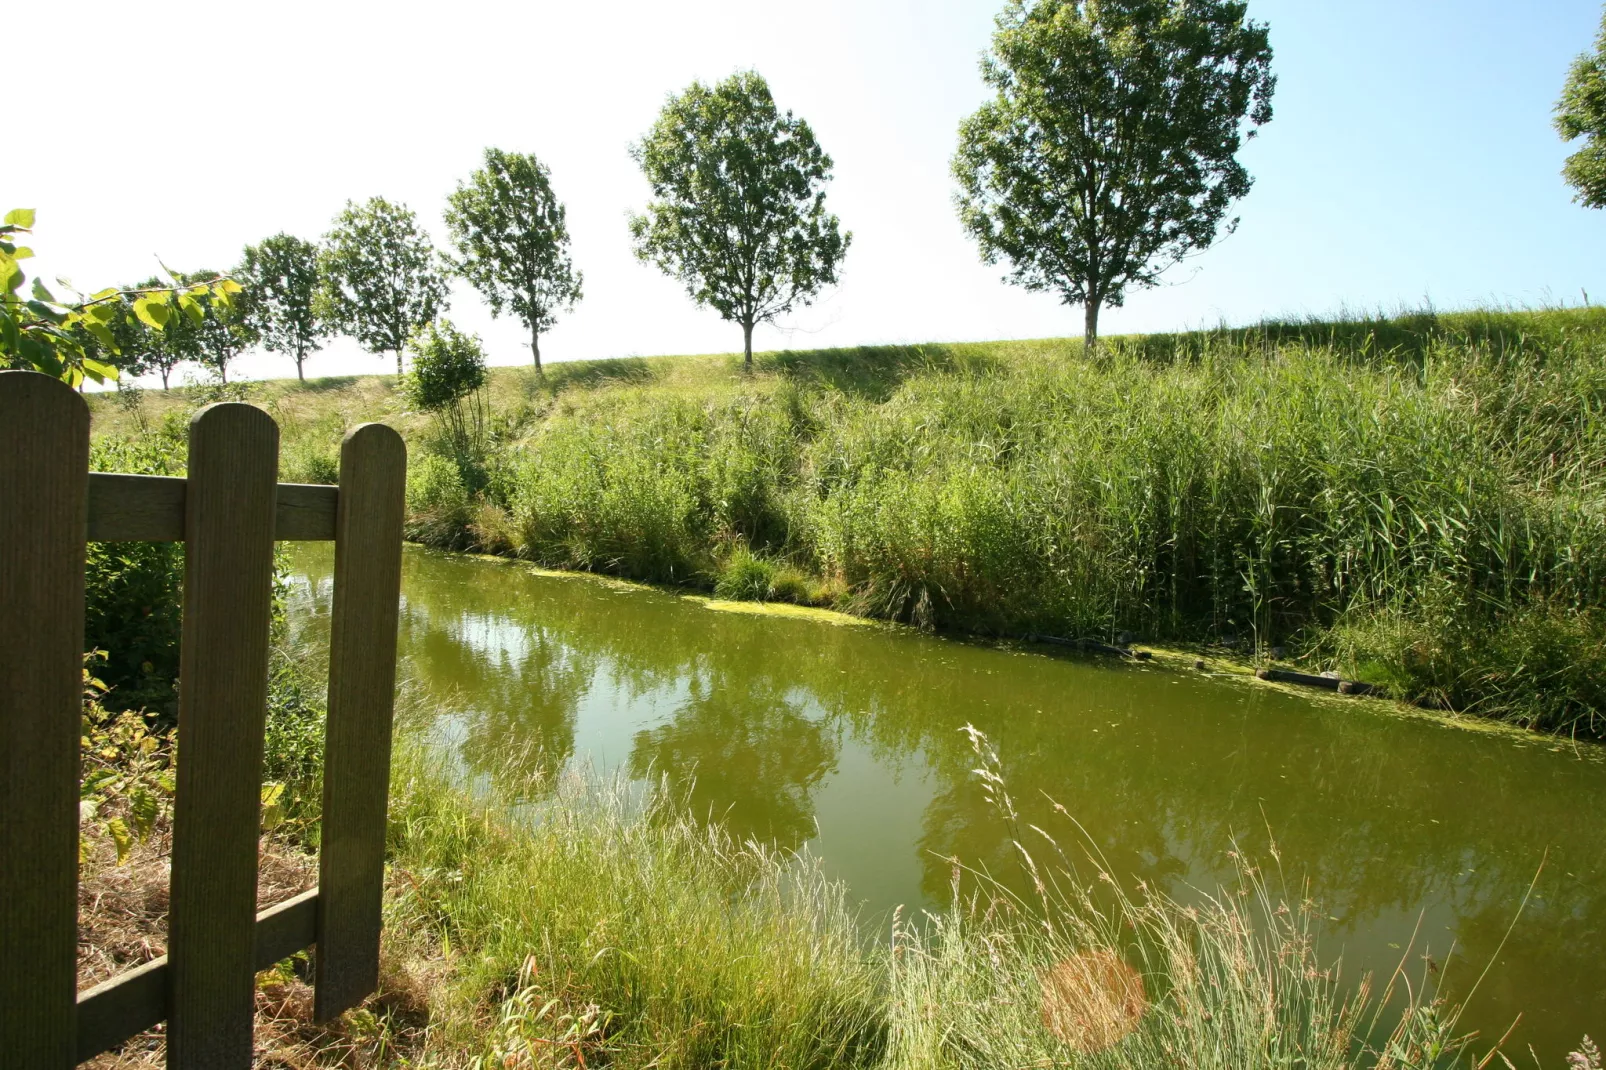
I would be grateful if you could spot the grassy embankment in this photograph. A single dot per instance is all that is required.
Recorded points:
(599, 927)
(1413, 502)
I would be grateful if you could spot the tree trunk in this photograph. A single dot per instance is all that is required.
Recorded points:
(164, 379)
(399, 372)
(1090, 336)
(747, 347)
(535, 348)
(299, 377)
(223, 371)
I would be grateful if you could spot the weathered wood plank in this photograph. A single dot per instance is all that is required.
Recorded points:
(127, 508)
(130, 1003)
(44, 460)
(306, 512)
(223, 687)
(362, 687)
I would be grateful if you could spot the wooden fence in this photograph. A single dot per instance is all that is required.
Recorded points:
(228, 512)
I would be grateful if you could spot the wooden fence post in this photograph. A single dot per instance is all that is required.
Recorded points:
(44, 472)
(223, 672)
(362, 687)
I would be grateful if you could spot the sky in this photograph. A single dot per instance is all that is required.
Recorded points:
(1410, 162)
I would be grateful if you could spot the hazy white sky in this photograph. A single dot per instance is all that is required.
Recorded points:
(1411, 157)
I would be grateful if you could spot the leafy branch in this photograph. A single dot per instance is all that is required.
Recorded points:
(52, 335)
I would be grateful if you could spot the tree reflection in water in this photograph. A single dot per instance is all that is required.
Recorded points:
(1390, 819)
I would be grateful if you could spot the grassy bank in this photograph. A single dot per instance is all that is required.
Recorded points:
(604, 926)
(1413, 502)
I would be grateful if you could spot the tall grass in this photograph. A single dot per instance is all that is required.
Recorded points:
(604, 926)
(1087, 975)
(1414, 501)
(1431, 523)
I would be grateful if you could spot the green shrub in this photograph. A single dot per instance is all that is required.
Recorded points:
(745, 576)
(438, 504)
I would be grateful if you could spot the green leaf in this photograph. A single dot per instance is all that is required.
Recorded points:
(152, 311)
(22, 252)
(143, 810)
(20, 217)
(192, 308)
(272, 810)
(99, 370)
(229, 286)
(42, 293)
(121, 837)
(104, 312)
(101, 334)
(11, 275)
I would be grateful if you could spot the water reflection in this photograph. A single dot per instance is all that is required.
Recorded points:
(848, 739)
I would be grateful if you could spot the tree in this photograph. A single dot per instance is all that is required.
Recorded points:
(72, 340)
(380, 280)
(222, 332)
(1109, 152)
(738, 211)
(1581, 113)
(281, 273)
(512, 242)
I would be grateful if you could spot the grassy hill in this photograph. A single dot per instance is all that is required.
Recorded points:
(1414, 501)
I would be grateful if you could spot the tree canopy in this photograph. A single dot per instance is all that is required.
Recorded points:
(281, 273)
(511, 237)
(738, 210)
(1109, 151)
(380, 279)
(1581, 113)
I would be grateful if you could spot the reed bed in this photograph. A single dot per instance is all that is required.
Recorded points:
(1413, 501)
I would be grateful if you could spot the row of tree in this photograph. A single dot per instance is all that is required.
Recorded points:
(1108, 152)
(375, 277)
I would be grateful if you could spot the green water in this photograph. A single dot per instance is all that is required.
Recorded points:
(847, 740)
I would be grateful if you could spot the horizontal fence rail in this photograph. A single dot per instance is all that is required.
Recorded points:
(124, 508)
(228, 512)
(134, 1001)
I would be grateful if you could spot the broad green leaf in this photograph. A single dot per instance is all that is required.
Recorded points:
(22, 252)
(20, 217)
(100, 370)
(143, 810)
(104, 312)
(101, 334)
(192, 308)
(229, 286)
(199, 289)
(41, 292)
(11, 275)
(105, 295)
(153, 312)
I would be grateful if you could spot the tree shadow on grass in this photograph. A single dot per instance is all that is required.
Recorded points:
(588, 374)
(873, 372)
(326, 383)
